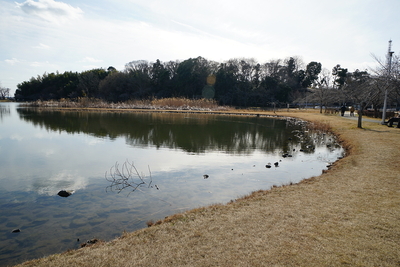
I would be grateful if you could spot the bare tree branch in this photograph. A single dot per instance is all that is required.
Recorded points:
(127, 176)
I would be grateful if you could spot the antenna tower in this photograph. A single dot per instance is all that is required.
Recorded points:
(389, 56)
(389, 68)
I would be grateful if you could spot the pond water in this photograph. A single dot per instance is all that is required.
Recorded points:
(43, 152)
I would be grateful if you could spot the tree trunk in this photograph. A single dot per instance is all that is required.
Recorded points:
(360, 113)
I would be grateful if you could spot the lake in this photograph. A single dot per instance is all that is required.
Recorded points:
(184, 160)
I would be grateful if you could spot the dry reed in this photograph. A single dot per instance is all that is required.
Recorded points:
(173, 103)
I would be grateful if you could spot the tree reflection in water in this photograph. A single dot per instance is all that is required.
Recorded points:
(193, 133)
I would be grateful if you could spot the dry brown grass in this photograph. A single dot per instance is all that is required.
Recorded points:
(348, 216)
(173, 103)
(185, 103)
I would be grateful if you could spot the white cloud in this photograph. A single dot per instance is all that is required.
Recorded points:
(65, 179)
(48, 152)
(42, 46)
(51, 10)
(16, 137)
(39, 64)
(113, 33)
(12, 61)
(91, 67)
(91, 60)
(94, 141)
(26, 63)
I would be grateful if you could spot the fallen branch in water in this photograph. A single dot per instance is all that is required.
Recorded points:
(128, 176)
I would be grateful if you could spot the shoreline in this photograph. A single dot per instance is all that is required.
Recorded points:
(323, 214)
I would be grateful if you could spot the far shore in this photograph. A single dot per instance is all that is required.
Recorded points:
(347, 216)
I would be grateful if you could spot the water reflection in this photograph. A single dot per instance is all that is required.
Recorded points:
(63, 180)
(189, 132)
(43, 152)
(4, 111)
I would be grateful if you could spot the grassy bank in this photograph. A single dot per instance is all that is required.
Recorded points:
(350, 215)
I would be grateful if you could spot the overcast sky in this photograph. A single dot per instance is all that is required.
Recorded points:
(38, 36)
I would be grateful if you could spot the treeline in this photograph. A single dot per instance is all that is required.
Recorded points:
(237, 82)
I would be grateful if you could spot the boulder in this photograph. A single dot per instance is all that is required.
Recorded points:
(64, 193)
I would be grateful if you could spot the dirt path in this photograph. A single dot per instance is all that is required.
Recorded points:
(348, 216)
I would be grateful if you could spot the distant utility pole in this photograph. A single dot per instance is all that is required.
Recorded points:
(389, 62)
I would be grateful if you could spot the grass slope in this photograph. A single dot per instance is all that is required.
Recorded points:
(348, 216)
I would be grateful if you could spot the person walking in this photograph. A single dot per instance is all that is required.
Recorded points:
(342, 110)
(351, 111)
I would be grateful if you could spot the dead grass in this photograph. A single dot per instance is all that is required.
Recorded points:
(348, 216)
(185, 103)
(173, 103)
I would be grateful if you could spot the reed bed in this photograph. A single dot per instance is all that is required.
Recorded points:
(151, 104)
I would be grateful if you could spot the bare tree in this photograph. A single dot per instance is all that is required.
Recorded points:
(322, 86)
(395, 81)
(323, 91)
(361, 89)
(4, 92)
(387, 72)
(273, 67)
(140, 72)
(392, 79)
(142, 66)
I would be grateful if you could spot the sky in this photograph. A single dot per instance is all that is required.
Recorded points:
(38, 36)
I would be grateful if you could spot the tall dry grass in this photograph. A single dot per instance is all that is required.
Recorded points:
(185, 103)
(151, 104)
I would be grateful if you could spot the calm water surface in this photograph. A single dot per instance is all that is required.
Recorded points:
(43, 152)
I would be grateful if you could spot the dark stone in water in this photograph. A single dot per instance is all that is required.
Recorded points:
(64, 193)
(16, 231)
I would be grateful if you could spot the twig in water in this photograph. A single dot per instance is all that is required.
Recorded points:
(128, 176)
